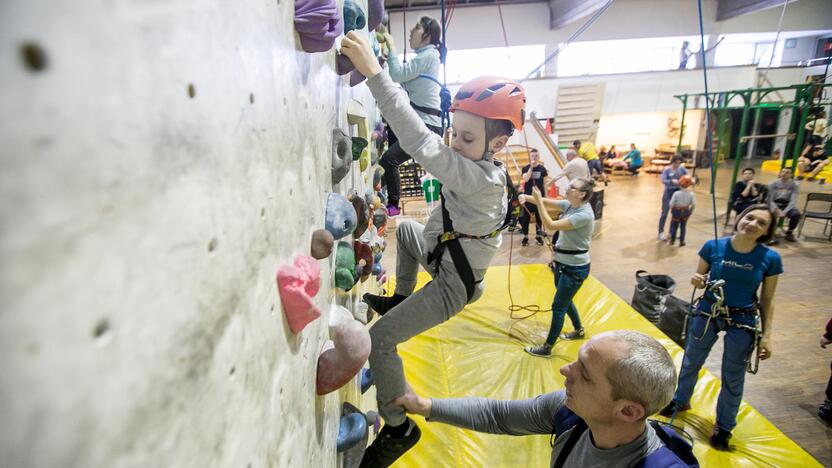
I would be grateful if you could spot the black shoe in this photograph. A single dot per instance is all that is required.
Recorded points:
(386, 449)
(524, 242)
(573, 335)
(671, 241)
(539, 240)
(544, 350)
(811, 179)
(672, 408)
(790, 237)
(682, 243)
(800, 177)
(381, 304)
(825, 412)
(719, 439)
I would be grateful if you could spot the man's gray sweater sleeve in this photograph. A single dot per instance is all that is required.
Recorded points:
(793, 198)
(513, 417)
(457, 173)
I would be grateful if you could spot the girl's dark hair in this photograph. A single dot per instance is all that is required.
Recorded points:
(431, 28)
(749, 169)
(771, 227)
(677, 157)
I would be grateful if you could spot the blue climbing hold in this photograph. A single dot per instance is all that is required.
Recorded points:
(340, 216)
(354, 17)
(351, 431)
(366, 380)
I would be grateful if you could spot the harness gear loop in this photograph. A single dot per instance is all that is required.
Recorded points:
(718, 310)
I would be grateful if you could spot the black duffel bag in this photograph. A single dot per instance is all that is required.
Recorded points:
(650, 293)
(672, 319)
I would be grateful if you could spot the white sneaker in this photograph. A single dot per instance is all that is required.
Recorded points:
(662, 236)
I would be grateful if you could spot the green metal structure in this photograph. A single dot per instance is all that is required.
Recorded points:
(752, 98)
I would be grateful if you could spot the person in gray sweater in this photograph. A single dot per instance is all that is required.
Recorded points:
(486, 110)
(618, 380)
(782, 198)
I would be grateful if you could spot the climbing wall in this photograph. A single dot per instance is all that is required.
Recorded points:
(159, 162)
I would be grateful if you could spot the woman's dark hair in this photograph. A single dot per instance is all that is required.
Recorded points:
(677, 157)
(584, 185)
(431, 29)
(771, 227)
(748, 169)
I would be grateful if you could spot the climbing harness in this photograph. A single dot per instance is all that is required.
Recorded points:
(450, 237)
(718, 310)
(445, 101)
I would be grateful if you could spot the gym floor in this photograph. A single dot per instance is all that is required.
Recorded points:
(789, 386)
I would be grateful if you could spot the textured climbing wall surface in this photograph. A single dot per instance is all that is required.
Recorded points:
(159, 160)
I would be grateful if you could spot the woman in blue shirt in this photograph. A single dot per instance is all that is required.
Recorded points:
(423, 94)
(571, 252)
(746, 265)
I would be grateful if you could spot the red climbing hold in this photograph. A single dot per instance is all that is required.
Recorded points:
(338, 365)
(297, 285)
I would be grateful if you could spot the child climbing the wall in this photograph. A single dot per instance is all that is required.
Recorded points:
(458, 241)
(682, 203)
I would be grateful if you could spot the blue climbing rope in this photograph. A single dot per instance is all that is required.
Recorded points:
(708, 135)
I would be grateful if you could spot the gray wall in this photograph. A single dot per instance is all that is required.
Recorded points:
(141, 230)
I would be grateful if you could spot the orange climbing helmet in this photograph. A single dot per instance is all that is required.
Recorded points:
(494, 98)
(685, 181)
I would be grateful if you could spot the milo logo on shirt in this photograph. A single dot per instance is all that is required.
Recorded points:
(735, 264)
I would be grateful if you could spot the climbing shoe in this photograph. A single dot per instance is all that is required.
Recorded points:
(393, 211)
(544, 350)
(386, 449)
(381, 304)
(790, 237)
(524, 242)
(539, 240)
(673, 408)
(573, 335)
(719, 439)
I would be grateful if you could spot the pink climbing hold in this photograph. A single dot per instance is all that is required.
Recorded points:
(338, 365)
(297, 285)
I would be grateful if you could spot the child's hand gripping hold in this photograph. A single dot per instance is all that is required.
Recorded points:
(356, 48)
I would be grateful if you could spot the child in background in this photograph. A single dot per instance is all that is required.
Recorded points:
(457, 243)
(682, 204)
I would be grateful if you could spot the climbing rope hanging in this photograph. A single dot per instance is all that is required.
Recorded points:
(534, 309)
(708, 132)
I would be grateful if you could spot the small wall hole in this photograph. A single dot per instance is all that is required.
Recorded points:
(212, 244)
(251, 98)
(191, 90)
(34, 57)
(101, 329)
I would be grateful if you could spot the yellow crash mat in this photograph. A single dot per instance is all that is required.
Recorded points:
(479, 352)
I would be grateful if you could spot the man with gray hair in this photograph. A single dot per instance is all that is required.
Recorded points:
(575, 168)
(618, 380)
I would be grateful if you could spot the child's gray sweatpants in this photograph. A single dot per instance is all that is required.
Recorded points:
(435, 303)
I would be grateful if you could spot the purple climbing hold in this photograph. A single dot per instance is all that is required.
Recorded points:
(343, 64)
(318, 23)
(356, 78)
(375, 13)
